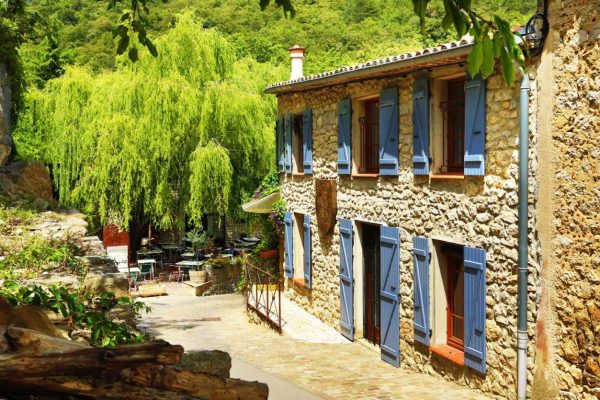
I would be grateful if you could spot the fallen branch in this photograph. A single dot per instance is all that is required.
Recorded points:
(88, 360)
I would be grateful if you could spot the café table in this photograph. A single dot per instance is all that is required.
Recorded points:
(147, 261)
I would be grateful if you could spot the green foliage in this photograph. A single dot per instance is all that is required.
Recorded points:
(83, 312)
(38, 256)
(163, 135)
(494, 39)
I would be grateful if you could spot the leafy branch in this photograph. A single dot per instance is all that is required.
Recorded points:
(493, 39)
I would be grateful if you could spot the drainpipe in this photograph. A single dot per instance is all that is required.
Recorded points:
(523, 248)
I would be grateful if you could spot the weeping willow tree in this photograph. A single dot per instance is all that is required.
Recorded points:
(187, 132)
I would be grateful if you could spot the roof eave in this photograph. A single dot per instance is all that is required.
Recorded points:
(436, 58)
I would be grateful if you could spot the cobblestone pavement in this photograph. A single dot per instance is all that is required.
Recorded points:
(329, 370)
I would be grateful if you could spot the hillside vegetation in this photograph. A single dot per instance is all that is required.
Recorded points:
(334, 32)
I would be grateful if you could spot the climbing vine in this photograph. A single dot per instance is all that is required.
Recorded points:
(186, 131)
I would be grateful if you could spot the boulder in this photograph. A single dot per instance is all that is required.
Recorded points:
(28, 177)
(5, 110)
(116, 283)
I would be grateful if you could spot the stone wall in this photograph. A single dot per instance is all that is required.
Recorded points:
(476, 211)
(5, 111)
(569, 326)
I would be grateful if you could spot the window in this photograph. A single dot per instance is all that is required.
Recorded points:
(448, 301)
(449, 126)
(366, 135)
(297, 143)
(455, 296)
(369, 138)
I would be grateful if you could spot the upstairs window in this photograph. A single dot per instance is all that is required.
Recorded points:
(453, 123)
(366, 153)
(297, 143)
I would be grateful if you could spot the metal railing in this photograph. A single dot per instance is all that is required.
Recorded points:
(263, 294)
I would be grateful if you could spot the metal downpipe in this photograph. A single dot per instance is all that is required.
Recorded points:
(522, 336)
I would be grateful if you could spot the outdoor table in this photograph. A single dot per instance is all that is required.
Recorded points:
(151, 262)
(188, 256)
(226, 255)
(251, 239)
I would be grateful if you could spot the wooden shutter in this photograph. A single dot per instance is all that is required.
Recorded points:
(289, 126)
(346, 280)
(475, 126)
(345, 137)
(475, 341)
(389, 296)
(307, 252)
(388, 132)
(288, 261)
(307, 146)
(421, 126)
(421, 289)
(279, 128)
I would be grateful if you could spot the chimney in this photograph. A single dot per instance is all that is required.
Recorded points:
(297, 57)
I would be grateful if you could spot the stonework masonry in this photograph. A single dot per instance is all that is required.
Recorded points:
(477, 211)
(568, 329)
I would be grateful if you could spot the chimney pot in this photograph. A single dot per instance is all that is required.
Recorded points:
(297, 58)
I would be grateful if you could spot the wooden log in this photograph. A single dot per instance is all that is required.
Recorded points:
(89, 387)
(194, 383)
(36, 343)
(88, 360)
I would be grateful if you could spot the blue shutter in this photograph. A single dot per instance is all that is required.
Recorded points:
(345, 137)
(307, 252)
(475, 126)
(289, 121)
(474, 260)
(388, 132)
(346, 280)
(421, 126)
(288, 261)
(421, 289)
(280, 145)
(307, 146)
(389, 296)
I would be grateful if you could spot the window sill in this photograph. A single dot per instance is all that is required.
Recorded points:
(299, 282)
(449, 353)
(365, 176)
(298, 174)
(447, 177)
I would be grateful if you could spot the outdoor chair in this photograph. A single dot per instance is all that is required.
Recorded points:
(175, 274)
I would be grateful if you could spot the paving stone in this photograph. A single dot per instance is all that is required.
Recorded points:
(342, 370)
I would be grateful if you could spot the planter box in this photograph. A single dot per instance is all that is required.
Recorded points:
(152, 290)
(197, 276)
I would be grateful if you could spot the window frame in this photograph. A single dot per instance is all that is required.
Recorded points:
(358, 143)
(438, 132)
(297, 144)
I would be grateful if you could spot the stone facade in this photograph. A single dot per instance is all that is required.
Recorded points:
(475, 211)
(568, 328)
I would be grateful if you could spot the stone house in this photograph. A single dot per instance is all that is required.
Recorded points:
(401, 181)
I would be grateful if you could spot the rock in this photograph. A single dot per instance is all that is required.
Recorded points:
(92, 246)
(30, 177)
(211, 362)
(115, 282)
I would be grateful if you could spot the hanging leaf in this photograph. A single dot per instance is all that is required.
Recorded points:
(508, 69)
(488, 60)
(475, 59)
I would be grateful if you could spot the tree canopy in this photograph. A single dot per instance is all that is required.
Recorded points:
(185, 131)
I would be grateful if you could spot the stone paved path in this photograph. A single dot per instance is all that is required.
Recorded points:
(327, 370)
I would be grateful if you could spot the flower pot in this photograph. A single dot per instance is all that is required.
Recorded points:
(268, 253)
(198, 276)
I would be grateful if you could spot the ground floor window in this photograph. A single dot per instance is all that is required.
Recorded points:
(455, 296)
